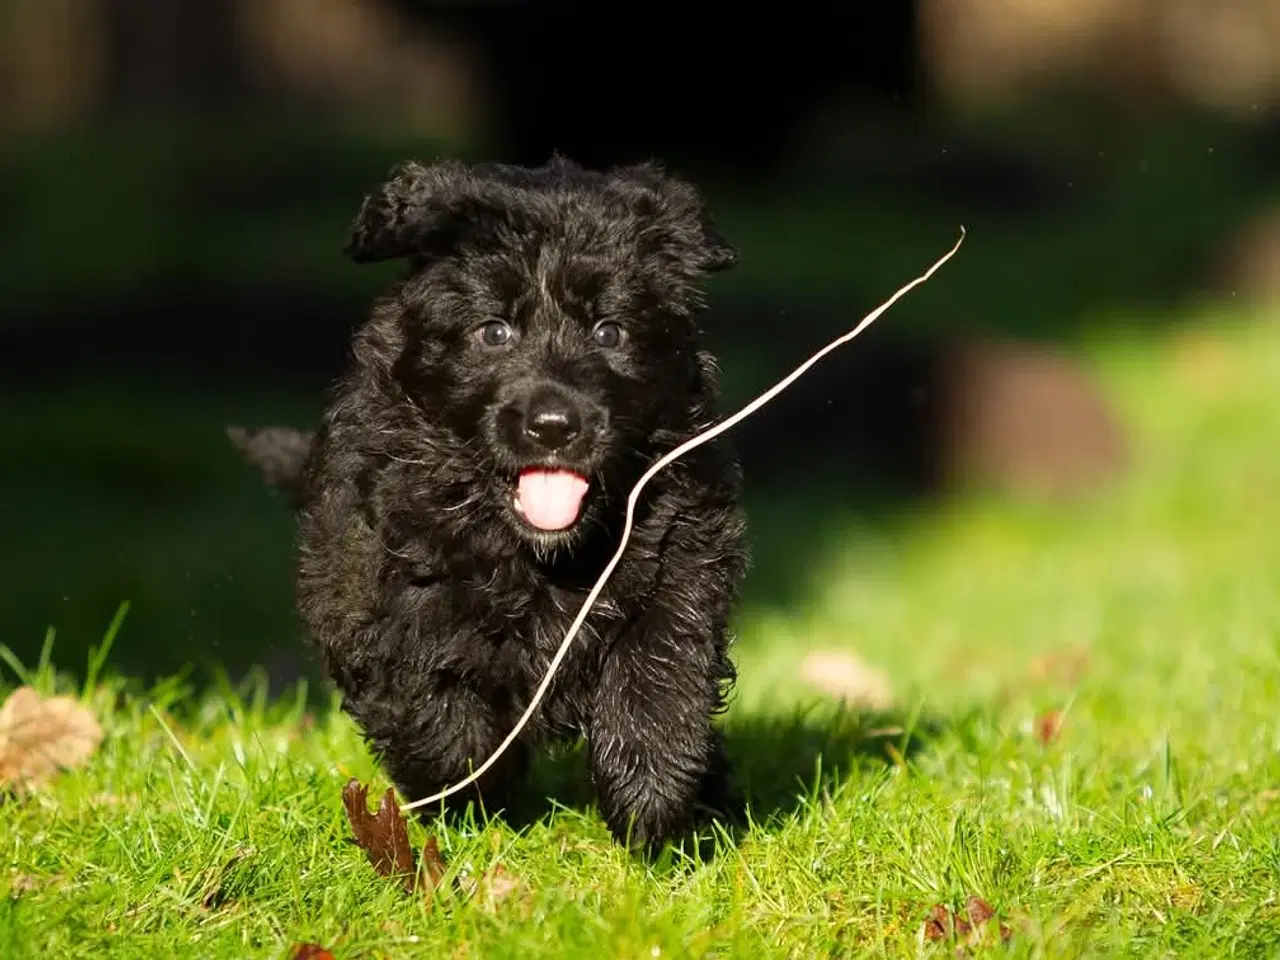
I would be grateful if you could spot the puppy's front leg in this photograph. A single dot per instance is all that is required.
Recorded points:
(653, 747)
(433, 734)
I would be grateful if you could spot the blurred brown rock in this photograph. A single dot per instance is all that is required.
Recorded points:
(1217, 53)
(1024, 419)
(362, 54)
(1250, 266)
(925, 416)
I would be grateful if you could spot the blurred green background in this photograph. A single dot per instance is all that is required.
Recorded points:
(177, 180)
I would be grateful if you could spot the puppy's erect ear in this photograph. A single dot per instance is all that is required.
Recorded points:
(679, 204)
(411, 212)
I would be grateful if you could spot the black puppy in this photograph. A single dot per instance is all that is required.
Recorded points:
(469, 482)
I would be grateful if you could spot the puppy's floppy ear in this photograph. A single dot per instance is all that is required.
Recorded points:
(679, 202)
(713, 252)
(403, 216)
(719, 254)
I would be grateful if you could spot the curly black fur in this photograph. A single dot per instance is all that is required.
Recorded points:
(436, 605)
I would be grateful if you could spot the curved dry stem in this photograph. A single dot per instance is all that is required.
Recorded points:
(705, 437)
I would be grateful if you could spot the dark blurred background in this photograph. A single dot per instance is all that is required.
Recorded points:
(177, 179)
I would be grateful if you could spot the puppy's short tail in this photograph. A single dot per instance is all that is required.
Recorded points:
(280, 453)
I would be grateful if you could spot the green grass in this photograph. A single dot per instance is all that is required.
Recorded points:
(210, 824)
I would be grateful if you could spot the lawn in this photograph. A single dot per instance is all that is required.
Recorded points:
(1144, 619)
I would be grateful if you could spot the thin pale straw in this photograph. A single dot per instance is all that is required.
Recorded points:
(705, 437)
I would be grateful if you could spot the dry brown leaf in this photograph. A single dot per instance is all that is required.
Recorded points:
(969, 928)
(978, 911)
(433, 866)
(39, 737)
(980, 915)
(843, 675)
(497, 884)
(383, 836)
(1048, 726)
(938, 923)
(494, 885)
(310, 951)
(20, 884)
(497, 887)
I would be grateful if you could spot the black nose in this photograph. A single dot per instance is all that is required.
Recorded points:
(551, 422)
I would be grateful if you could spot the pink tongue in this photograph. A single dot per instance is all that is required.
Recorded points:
(550, 499)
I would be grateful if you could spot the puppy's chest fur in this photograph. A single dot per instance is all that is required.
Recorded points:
(512, 641)
(496, 624)
(516, 608)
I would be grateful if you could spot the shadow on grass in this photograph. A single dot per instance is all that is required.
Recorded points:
(780, 765)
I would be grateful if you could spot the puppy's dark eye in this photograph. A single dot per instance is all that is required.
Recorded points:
(607, 334)
(495, 333)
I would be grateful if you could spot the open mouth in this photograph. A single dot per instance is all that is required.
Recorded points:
(550, 498)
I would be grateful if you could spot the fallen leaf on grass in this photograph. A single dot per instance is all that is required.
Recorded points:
(311, 951)
(39, 737)
(843, 675)
(980, 912)
(20, 884)
(432, 864)
(497, 884)
(1048, 726)
(937, 925)
(494, 885)
(384, 837)
(968, 929)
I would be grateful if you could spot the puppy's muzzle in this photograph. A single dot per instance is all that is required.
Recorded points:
(548, 431)
(546, 422)
(550, 422)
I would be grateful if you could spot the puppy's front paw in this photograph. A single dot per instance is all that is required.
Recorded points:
(649, 823)
(648, 794)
